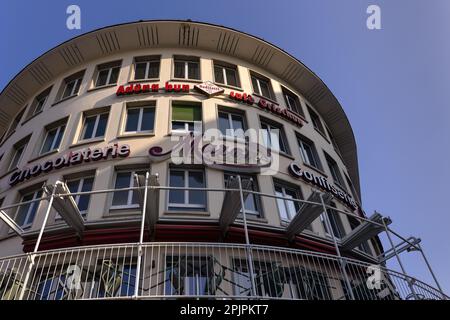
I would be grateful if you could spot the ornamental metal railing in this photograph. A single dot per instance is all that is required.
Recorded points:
(212, 270)
(199, 270)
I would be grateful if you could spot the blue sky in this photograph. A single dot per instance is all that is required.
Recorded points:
(392, 83)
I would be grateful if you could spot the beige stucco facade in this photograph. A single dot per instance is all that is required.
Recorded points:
(90, 98)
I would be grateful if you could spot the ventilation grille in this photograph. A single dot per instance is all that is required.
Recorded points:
(40, 73)
(148, 36)
(16, 94)
(292, 73)
(108, 42)
(188, 36)
(227, 43)
(71, 55)
(4, 120)
(262, 55)
(316, 93)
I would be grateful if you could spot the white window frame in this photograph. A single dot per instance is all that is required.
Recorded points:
(141, 114)
(108, 77)
(186, 203)
(284, 195)
(258, 79)
(230, 122)
(333, 166)
(186, 68)
(80, 187)
(267, 138)
(305, 156)
(186, 122)
(21, 147)
(224, 72)
(40, 101)
(72, 92)
(129, 204)
(35, 196)
(52, 147)
(147, 68)
(94, 131)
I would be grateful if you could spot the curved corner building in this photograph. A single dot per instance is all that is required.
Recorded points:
(87, 132)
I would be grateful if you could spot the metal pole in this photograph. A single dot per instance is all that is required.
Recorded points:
(32, 256)
(141, 238)
(408, 280)
(431, 270)
(247, 240)
(336, 246)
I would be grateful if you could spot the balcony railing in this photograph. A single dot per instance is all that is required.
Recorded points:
(199, 270)
(207, 270)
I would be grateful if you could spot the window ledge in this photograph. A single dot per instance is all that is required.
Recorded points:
(322, 134)
(316, 169)
(102, 87)
(228, 86)
(186, 212)
(186, 80)
(252, 219)
(266, 98)
(85, 142)
(136, 135)
(43, 155)
(65, 99)
(144, 80)
(284, 154)
(7, 137)
(8, 172)
(31, 117)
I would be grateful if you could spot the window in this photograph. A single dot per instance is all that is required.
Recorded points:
(185, 117)
(26, 212)
(187, 199)
(292, 101)
(140, 119)
(39, 102)
(311, 285)
(94, 126)
(335, 221)
(351, 186)
(287, 208)
(18, 152)
(334, 169)
(317, 124)
(53, 137)
(146, 68)
(262, 86)
(333, 142)
(125, 198)
(252, 202)
(226, 74)
(52, 287)
(189, 275)
(230, 122)
(15, 122)
(187, 68)
(84, 184)
(107, 73)
(273, 136)
(72, 85)
(268, 282)
(308, 152)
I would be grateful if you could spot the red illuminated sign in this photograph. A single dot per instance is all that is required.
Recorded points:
(268, 106)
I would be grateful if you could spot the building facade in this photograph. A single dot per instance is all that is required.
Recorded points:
(101, 110)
